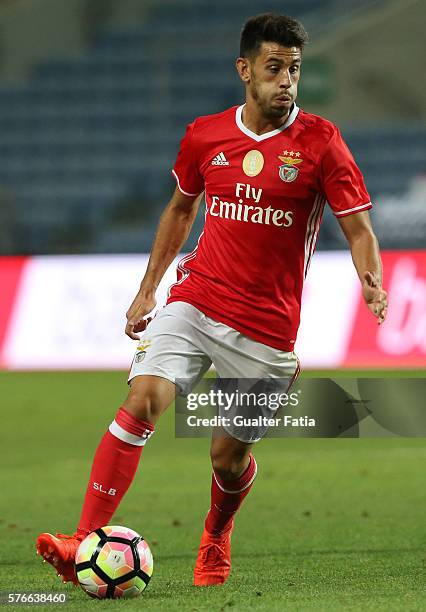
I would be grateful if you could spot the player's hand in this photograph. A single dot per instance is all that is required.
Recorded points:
(375, 297)
(137, 320)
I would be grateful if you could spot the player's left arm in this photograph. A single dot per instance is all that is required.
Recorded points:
(366, 257)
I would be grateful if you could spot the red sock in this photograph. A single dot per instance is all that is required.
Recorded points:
(226, 497)
(113, 470)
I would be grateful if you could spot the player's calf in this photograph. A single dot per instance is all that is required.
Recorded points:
(113, 469)
(214, 555)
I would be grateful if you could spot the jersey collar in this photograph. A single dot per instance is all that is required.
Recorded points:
(258, 138)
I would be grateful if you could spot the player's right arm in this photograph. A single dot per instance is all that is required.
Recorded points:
(172, 232)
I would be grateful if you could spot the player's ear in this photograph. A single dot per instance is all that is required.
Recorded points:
(243, 67)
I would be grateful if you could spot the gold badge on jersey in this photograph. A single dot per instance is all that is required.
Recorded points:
(253, 163)
(289, 171)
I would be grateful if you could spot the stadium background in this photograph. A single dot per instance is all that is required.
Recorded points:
(94, 98)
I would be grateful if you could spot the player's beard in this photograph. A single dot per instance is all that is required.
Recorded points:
(265, 104)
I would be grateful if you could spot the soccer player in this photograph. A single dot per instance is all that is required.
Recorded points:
(267, 168)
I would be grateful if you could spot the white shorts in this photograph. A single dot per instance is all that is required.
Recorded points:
(181, 343)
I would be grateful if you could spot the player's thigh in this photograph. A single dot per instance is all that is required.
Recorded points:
(243, 357)
(245, 366)
(169, 360)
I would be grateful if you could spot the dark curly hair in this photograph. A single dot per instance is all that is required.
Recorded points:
(271, 27)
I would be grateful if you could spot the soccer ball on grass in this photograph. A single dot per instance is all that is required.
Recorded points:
(113, 562)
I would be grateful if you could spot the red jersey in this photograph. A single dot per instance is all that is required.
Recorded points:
(265, 197)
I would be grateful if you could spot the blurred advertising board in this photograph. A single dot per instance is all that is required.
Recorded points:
(68, 312)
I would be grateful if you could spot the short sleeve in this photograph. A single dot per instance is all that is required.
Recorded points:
(186, 170)
(341, 180)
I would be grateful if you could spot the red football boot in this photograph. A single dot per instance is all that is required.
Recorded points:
(59, 550)
(214, 559)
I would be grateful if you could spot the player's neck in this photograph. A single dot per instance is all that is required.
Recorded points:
(259, 124)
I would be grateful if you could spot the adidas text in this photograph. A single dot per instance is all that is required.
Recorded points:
(220, 160)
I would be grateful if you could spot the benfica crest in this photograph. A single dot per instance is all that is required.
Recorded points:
(141, 350)
(289, 171)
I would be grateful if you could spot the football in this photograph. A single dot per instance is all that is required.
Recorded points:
(114, 562)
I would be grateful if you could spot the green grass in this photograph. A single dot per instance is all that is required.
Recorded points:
(330, 524)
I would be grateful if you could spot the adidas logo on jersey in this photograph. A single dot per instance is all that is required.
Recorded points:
(220, 160)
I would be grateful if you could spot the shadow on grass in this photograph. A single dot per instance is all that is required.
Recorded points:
(304, 553)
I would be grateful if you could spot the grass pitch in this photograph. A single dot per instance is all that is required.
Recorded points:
(329, 525)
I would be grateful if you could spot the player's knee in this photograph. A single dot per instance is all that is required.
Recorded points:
(228, 467)
(145, 404)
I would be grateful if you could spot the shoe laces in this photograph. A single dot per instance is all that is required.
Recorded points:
(213, 553)
(65, 536)
(70, 544)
